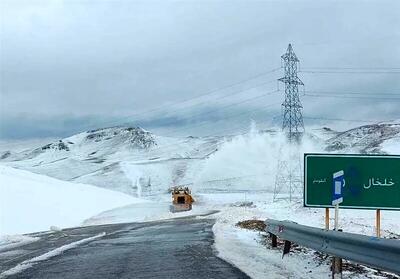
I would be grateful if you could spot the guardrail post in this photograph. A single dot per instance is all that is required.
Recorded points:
(336, 267)
(286, 247)
(274, 239)
(337, 264)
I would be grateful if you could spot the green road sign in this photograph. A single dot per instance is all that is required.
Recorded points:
(370, 181)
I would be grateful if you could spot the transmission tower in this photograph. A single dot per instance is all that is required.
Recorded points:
(292, 116)
(289, 177)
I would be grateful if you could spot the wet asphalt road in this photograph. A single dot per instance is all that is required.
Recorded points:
(177, 248)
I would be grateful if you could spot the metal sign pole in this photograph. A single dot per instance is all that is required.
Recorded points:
(337, 197)
(337, 194)
(336, 217)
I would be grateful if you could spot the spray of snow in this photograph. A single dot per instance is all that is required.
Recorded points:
(252, 159)
(134, 176)
(29, 263)
(138, 187)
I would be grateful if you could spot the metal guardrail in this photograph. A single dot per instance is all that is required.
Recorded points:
(375, 252)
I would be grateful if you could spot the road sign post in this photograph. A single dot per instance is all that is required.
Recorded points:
(337, 198)
(336, 217)
(378, 223)
(326, 218)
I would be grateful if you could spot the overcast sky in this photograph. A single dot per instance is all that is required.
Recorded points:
(67, 66)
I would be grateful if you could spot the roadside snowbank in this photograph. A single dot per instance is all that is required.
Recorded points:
(245, 249)
(30, 202)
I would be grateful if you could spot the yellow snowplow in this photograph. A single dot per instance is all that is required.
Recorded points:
(181, 199)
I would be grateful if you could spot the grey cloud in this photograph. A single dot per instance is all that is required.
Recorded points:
(110, 59)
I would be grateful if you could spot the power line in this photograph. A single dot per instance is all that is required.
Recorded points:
(344, 119)
(352, 93)
(192, 117)
(350, 97)
(228, 106)
(217, 90)
(217, 133)
(225, 96)
(351, 68)
(348, 72)
(218, 109)
(214, 133)
(211, 92)
(236, 115)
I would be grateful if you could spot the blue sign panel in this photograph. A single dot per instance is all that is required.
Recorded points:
(338, 184)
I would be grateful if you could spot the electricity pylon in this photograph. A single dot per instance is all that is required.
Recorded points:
(289, 176)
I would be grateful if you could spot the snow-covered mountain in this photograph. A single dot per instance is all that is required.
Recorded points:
(376, 138)
(137, 162)
(104, 157)
(93, 141)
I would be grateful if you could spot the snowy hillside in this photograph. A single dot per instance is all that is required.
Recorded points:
(96, 157)
(31, 202)
(94, 143)
(366, 139)
(137, 162)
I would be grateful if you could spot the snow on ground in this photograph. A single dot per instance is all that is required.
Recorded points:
(31, 202)
(21, 145)
(392, 146)
(244, 248)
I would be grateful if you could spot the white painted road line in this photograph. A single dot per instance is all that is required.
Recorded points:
(29, 263)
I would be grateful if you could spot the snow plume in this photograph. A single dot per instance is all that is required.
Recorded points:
(249, 162)
(134, 175)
